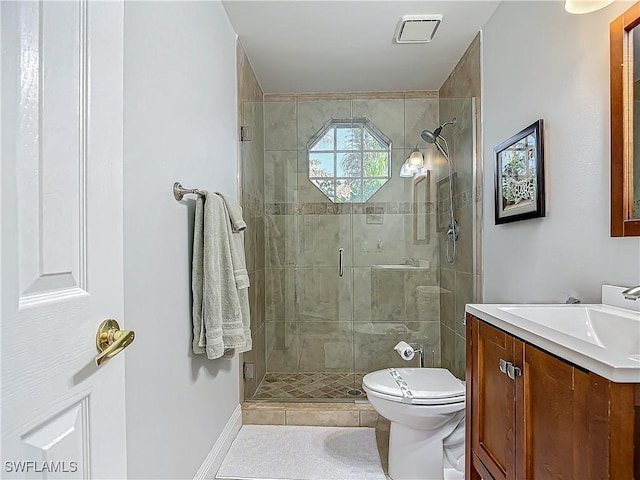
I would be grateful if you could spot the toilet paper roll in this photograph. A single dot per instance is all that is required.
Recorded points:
(404, 350)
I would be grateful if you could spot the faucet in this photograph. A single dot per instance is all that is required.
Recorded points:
(632, 293)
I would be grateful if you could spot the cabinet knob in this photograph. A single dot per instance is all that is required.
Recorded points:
(509, 369)
(513, 371)
(503, 365)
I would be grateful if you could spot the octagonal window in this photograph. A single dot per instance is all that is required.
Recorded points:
(349, 160)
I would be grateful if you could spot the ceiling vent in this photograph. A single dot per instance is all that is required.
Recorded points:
(417, 28)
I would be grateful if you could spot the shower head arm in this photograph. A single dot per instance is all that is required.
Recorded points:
(436, 132)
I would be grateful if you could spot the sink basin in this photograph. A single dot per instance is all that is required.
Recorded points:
(602, 338)
(607, 327)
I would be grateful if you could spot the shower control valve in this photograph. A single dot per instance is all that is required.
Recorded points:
(453, 231)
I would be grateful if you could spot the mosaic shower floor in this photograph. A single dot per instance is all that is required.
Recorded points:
(310, 386)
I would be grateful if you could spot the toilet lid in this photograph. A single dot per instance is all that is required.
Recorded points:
(415, 384)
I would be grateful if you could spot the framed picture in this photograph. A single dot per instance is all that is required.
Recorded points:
(519, 184)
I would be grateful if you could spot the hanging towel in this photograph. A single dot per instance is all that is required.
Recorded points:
(218, 311)
(236, 235)
(235, 213)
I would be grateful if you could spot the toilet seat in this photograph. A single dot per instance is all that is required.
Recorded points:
(417, 386)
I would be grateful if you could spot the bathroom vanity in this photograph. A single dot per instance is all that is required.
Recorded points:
(543, 403)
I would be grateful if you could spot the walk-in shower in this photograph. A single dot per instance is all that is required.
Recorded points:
(355, 257)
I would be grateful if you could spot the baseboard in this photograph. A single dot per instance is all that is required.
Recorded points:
(214, 459)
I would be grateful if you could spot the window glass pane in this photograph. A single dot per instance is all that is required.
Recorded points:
(349, 138)
(349, 160)
(372, 143)
(321, 165)
(349, 190)
(327, 187)
(376, 164)
(325, 142)
(349, 164)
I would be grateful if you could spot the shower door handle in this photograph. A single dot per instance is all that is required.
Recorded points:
(341, 261)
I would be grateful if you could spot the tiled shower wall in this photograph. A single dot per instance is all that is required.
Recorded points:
(317, 321)
(464, 276)
(252, 178)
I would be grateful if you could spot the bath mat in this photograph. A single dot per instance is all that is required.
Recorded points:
(279, 452)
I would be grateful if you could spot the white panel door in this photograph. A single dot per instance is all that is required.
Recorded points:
(61, 245)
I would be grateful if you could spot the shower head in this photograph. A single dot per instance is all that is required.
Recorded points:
(431, 137)
(428, 136)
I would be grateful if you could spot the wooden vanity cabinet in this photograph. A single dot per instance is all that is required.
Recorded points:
(534, 416)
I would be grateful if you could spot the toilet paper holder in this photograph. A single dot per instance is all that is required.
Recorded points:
(408, 350)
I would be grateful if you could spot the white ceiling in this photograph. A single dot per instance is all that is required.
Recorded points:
(346, 46)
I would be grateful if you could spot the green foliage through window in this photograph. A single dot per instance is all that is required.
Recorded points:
(349, 160)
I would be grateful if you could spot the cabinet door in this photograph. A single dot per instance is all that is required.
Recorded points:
(493, 401)
(551, 418)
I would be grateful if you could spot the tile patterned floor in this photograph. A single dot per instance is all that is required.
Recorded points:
(309, 386)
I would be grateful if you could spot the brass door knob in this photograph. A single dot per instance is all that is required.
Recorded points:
(110, 340)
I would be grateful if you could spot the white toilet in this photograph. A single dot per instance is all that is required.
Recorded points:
(426, 408)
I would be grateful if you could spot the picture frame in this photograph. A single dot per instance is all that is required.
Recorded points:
(519, 176)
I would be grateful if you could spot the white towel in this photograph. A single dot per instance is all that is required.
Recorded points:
(219, 308)
(235, 213)
(236, 234)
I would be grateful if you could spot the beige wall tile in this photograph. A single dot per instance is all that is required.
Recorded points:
(322, 295)
(463, 296)
(374, 342)
(368, 419)
(279, 97)
(259, 346)
(280, 295)
(379, 244)
(282, 347)
(250, 109)
(323, 418)
(420, 114)
(387, 295)
(263, 417)
(281, 241)
(459, 357)
(325, 347)
(448, 345)
(386, 114)
(447, 297)
(320, 237)
(313, 115)
(430, 301)
(280, 125)
(362, 294)
(280, 176)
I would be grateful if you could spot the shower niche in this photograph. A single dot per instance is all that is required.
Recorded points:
(346, 276)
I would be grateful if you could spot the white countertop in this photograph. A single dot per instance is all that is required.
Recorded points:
(612, 363)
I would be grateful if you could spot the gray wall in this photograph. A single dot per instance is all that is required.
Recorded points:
(559, 73)
(180, 125)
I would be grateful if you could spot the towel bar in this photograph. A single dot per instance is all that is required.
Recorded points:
(179, 191)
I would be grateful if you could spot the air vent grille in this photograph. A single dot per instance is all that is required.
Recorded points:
(417, 28)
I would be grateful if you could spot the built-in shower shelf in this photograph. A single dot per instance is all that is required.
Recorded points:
(401, 268)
